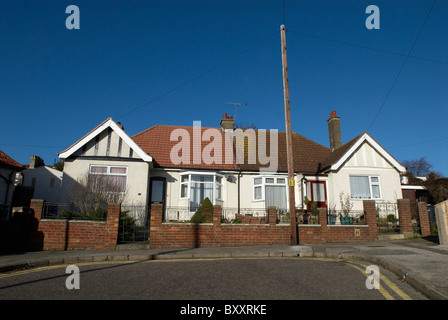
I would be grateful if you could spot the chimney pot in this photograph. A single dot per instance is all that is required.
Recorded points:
(227, 123)
(333, 114)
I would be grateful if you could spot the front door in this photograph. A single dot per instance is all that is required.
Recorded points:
(317, 192)
(157, 192)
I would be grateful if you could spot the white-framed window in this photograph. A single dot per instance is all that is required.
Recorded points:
(184, 184)
(197, 186)
(365, 187)
(113, 178)
(258, 189)
(218, 186)
(272, 190)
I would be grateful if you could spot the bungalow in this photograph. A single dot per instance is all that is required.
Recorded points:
(238, 169)
(43, 180)
(8, 170)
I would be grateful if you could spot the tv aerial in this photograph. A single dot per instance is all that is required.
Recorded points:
(237, 104)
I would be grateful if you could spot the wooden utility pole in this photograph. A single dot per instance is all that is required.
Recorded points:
(291, 181)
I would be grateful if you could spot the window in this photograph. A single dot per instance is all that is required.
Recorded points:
(218, 184)
(365, 187)
(184, 186)
(258, 188)
(272, 190)
(111, 178)
(315, 191)
(197, 187)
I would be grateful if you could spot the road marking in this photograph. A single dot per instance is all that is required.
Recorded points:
(393, 286)
(389, 283)
(386, 294)
(59, 266)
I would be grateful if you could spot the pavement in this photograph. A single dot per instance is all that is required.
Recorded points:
(420, 262)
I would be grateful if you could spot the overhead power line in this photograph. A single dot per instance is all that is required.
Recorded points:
(199, 75)
(402, 66)
(365, 47)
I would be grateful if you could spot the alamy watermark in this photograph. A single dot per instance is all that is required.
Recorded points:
(373, 21)
(373, 281)
(250, 145)
(73, 20)
(72, 281)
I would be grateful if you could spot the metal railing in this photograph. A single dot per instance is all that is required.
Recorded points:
(228, 215)
(387, 217)
(177, 214)
(340, 217)
(245, 215)
(305, 217)
(71, 212)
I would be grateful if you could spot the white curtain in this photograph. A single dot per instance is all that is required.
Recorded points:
(318, 192)
(360, 187)
(276, 196)
(201, 187)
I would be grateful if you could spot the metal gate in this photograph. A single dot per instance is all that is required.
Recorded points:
(415, 216)
(387, 217)
(133, 225)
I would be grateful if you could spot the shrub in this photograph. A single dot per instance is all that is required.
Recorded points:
(204, 214)
(391, 218)
(126, 227)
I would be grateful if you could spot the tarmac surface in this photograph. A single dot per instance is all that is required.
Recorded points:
(420, 262)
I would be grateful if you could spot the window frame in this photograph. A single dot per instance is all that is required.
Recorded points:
(194, 173)
(109, 173)
(371, 183)
(264, 183)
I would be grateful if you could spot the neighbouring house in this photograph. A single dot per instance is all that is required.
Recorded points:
(414, 192)
(44, 180)
(8, 169)
(240, 170)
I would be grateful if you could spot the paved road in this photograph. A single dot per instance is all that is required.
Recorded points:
(207, 279)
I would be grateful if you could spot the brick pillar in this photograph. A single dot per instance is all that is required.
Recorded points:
(405, 217)
(37, 206)
(156, 214)
(425, 226)
(272, 216)
(370, 217)
(155, 226)
(112, 222)
(217, 213)
(322, 216)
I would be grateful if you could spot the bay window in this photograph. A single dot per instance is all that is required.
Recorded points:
(198, 186)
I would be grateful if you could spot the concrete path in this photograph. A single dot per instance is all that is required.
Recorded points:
(421, 263)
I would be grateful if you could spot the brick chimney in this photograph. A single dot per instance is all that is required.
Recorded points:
(36, 161)
(227, 123)
(120, 126)
(334, 130)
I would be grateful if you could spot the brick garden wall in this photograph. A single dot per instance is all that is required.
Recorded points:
(50, 234)
(216, 234)
(187, 235)
(55, 234)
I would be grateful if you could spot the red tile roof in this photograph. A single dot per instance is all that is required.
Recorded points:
(7, 161)
(155, 141)
(308, 155)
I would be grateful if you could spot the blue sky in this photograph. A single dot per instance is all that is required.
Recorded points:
(173, 62)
